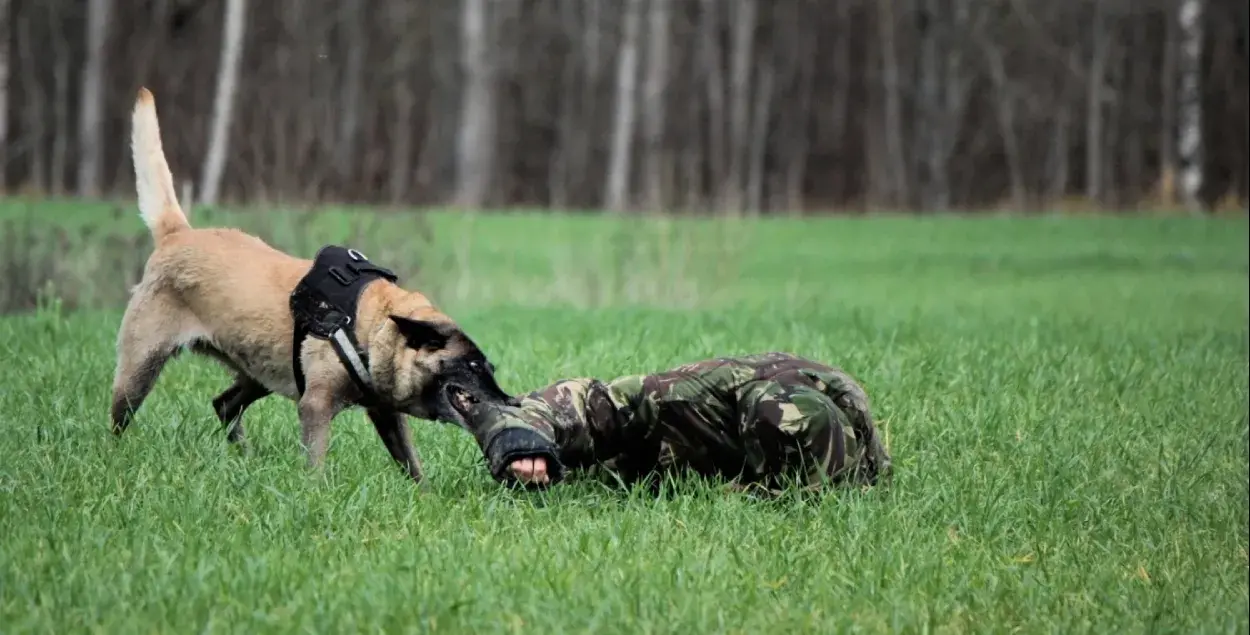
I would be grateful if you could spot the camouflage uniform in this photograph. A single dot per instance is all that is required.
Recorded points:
(765, 419)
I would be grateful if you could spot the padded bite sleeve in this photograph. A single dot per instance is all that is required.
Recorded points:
(511, 444)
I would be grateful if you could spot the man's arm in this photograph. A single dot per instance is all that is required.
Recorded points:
(553, 427)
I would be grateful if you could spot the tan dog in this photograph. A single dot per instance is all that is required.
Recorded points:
(226, 294)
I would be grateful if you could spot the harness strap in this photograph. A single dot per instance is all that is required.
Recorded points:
(324, 304)
(354, 360)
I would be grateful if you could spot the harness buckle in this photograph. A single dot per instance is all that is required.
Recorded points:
(338, 274)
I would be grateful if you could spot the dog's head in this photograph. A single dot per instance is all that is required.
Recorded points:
(438, 370)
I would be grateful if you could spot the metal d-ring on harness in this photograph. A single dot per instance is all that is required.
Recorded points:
(324, 305)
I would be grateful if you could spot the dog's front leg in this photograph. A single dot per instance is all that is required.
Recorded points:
(397, 436)
(317, 408)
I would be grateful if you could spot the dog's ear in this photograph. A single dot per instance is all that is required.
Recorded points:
(422, 334)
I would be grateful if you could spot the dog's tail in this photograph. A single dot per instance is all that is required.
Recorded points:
(158, 202)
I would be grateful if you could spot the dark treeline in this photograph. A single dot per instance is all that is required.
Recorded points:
(630, 104)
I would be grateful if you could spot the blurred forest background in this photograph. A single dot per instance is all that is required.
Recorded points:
(752, 106)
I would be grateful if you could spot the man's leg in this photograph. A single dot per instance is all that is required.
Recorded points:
(794, 432)
(850, 397)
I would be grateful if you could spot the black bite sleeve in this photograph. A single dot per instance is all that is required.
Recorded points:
(511, 444)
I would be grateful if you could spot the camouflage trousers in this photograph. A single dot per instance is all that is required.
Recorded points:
(793, 434)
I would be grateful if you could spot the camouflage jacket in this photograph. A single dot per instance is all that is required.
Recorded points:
(687, 417)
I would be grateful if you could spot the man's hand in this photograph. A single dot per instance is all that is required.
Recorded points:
(523, 456)
(531, 470)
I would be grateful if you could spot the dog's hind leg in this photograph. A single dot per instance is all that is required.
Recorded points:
(397, 436)
(149, 337)
(231, 404)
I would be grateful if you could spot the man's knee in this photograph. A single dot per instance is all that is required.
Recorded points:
(790, 426)
(804, 433)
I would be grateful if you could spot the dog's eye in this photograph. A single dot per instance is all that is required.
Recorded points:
(475, 366)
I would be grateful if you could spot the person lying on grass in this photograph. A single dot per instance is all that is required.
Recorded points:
(758, 420)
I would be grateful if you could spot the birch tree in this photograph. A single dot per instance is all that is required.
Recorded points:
(945, 81)
(619, 161)
(475, 142)
(91, 108)
(733, 105)
(1100, 42)
(745, 15)
(223, 100)
(654, 100)
(1167, 110)
(892, 121)
(1005, 109)
(1189, 98)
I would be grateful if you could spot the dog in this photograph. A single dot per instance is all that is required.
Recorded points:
(331, 333)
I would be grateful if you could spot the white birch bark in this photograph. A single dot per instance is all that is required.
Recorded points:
(654, 100)
(1094, 98)
(475, 142)
(1189, 102)
(91, 109)
(223, 101)
(618, 180)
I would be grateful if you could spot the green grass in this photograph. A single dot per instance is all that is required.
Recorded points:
(1065, 401)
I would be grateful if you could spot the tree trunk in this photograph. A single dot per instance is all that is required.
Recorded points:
(1167, 112)
(404, 100)
(839, 110)
(4, 91)
(740, 103)
(580, 131)
(618, 180)
(1189, 102)
(1059, 167)
(475, 144)
(929, 126)
(654, 101)
(710, 67)
(223, 101)
(1005, 108)
(438, 159)
(896, 159)
(1100, 42)
(35, 121)
(560, 174)
(356, 43)
(1112, 153)
(758, 147)
(91, 109)
(695, 160)
(61, 133)
(944, 83)
(1136, 85)
(798, 144)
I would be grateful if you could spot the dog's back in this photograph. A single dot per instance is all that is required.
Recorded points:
(209, 288)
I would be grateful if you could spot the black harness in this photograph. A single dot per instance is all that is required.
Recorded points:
(323, 305)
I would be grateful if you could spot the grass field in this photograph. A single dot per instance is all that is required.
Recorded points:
(1065, 401)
